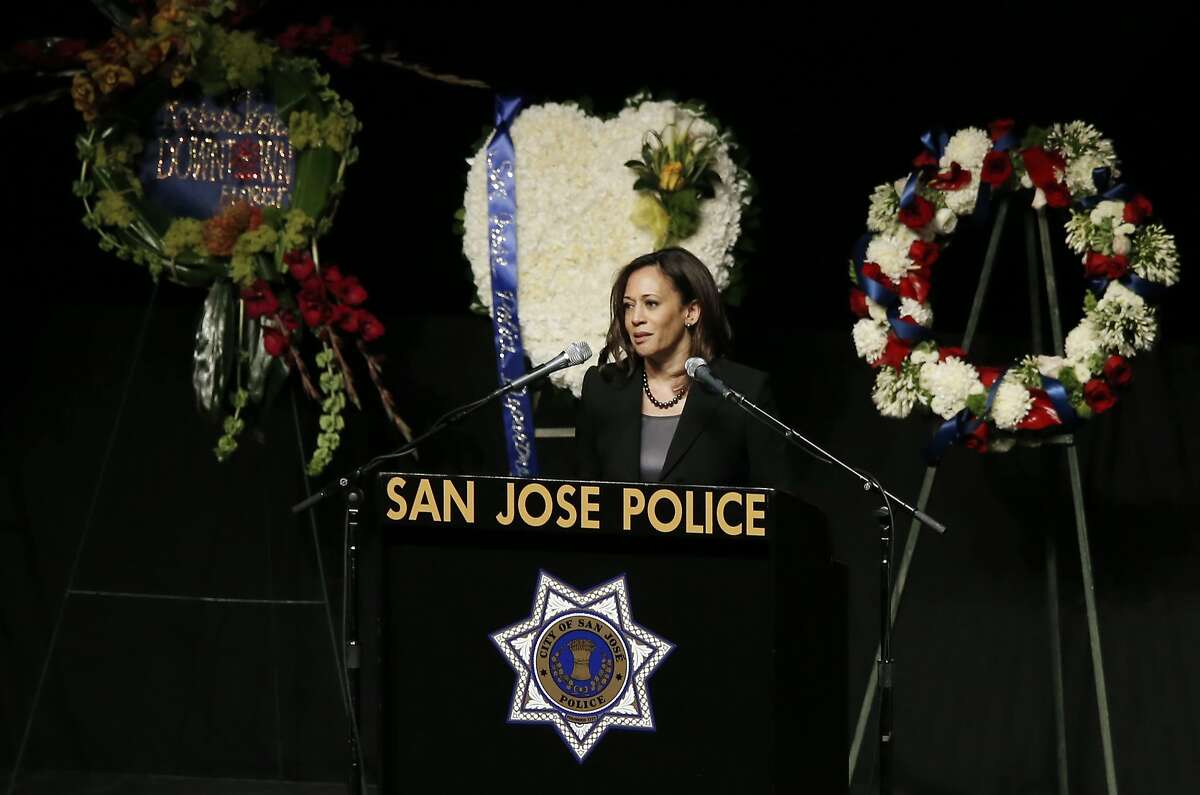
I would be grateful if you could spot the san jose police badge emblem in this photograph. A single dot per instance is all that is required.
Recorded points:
(581, 663)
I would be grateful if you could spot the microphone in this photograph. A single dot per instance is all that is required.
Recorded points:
(575, 353)
(698, 370)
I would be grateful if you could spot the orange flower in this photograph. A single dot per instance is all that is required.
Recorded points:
(110, 77)
(83, 92)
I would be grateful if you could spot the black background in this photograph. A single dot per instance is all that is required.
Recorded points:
(826, 111)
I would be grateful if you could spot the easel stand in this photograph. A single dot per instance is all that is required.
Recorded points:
(1036, 243)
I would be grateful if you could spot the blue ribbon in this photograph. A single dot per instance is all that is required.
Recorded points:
(960, 425)
(1005, 142)
(1102, 178)
(1061, 400)
(911, 333)
(934, 142)
(502, 255)
(1151, 291)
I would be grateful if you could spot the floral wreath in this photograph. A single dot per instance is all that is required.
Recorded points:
(236, 114)
(593, 193)
(1128, 261)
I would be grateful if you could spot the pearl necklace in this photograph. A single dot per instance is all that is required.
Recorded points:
(655, 401)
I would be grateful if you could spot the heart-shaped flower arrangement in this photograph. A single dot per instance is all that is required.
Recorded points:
(580, 219)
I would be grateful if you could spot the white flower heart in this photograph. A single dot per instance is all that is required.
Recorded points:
(575, 199)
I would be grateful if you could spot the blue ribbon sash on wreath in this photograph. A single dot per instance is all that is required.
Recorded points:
(502, 255)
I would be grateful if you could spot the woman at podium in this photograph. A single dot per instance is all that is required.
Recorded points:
(642, 419)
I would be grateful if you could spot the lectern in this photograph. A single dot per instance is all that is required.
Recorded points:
(576, 637)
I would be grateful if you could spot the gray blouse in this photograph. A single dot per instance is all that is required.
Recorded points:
(657, 433)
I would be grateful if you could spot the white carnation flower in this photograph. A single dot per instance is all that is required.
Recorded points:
(890, 252)
(950, 383)
(1011, 403)
(1052, 367)
(1083, 342)
(870, 338)
(922, 313)
(962, 202)
(1079, 175)
(921, 356)
(876, 311)
(967, 147)
(1106, 210)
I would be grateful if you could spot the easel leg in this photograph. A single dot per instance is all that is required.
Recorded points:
(1085, 555)
(1050, 540)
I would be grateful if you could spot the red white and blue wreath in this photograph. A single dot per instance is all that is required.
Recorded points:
(1128, 260)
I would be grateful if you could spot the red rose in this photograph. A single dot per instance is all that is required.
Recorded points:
(372, 329)
(315, 311)
(323, 27)
(946, 353)
(332, 275)
(915, 286)
(1057, 195)
(924, 253)
(312, 289)
(977, 439)
(290, 321)
(1097, 265)
(895, 352)
(858, 302)
(1041, 414)
(1040, 165)
(291, 38)
(956, 178)
(997, 168)
(1098, 396)
(274, 341)
(342, 49)
(1118, 371)
(301, 265)
(988, 375)
(349, 291)
(256, 218)
(1000, 128)
(917, 214)
(346, 318)
(259, 300)
(1138, 209)
(925, 160)
(872, 271)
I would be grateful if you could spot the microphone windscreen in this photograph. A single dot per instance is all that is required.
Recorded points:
(578, 353)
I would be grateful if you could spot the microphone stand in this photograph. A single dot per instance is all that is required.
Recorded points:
(887, 551)
(347, 485)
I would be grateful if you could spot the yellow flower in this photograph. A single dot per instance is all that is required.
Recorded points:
(83, 92)
(179, 73)
(113, 76)
(649, 214)
(671, 176)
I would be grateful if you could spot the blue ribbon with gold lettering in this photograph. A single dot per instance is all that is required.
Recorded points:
(502, 255)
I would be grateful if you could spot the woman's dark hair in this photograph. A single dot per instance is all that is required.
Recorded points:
(710, 337)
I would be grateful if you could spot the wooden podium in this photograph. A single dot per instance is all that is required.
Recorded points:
(737, 582)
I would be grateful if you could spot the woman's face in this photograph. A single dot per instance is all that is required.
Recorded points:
(655, 316)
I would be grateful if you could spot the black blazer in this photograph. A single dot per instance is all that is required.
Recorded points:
(716, 443)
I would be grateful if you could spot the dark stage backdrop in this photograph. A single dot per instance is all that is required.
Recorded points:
(104, 455)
